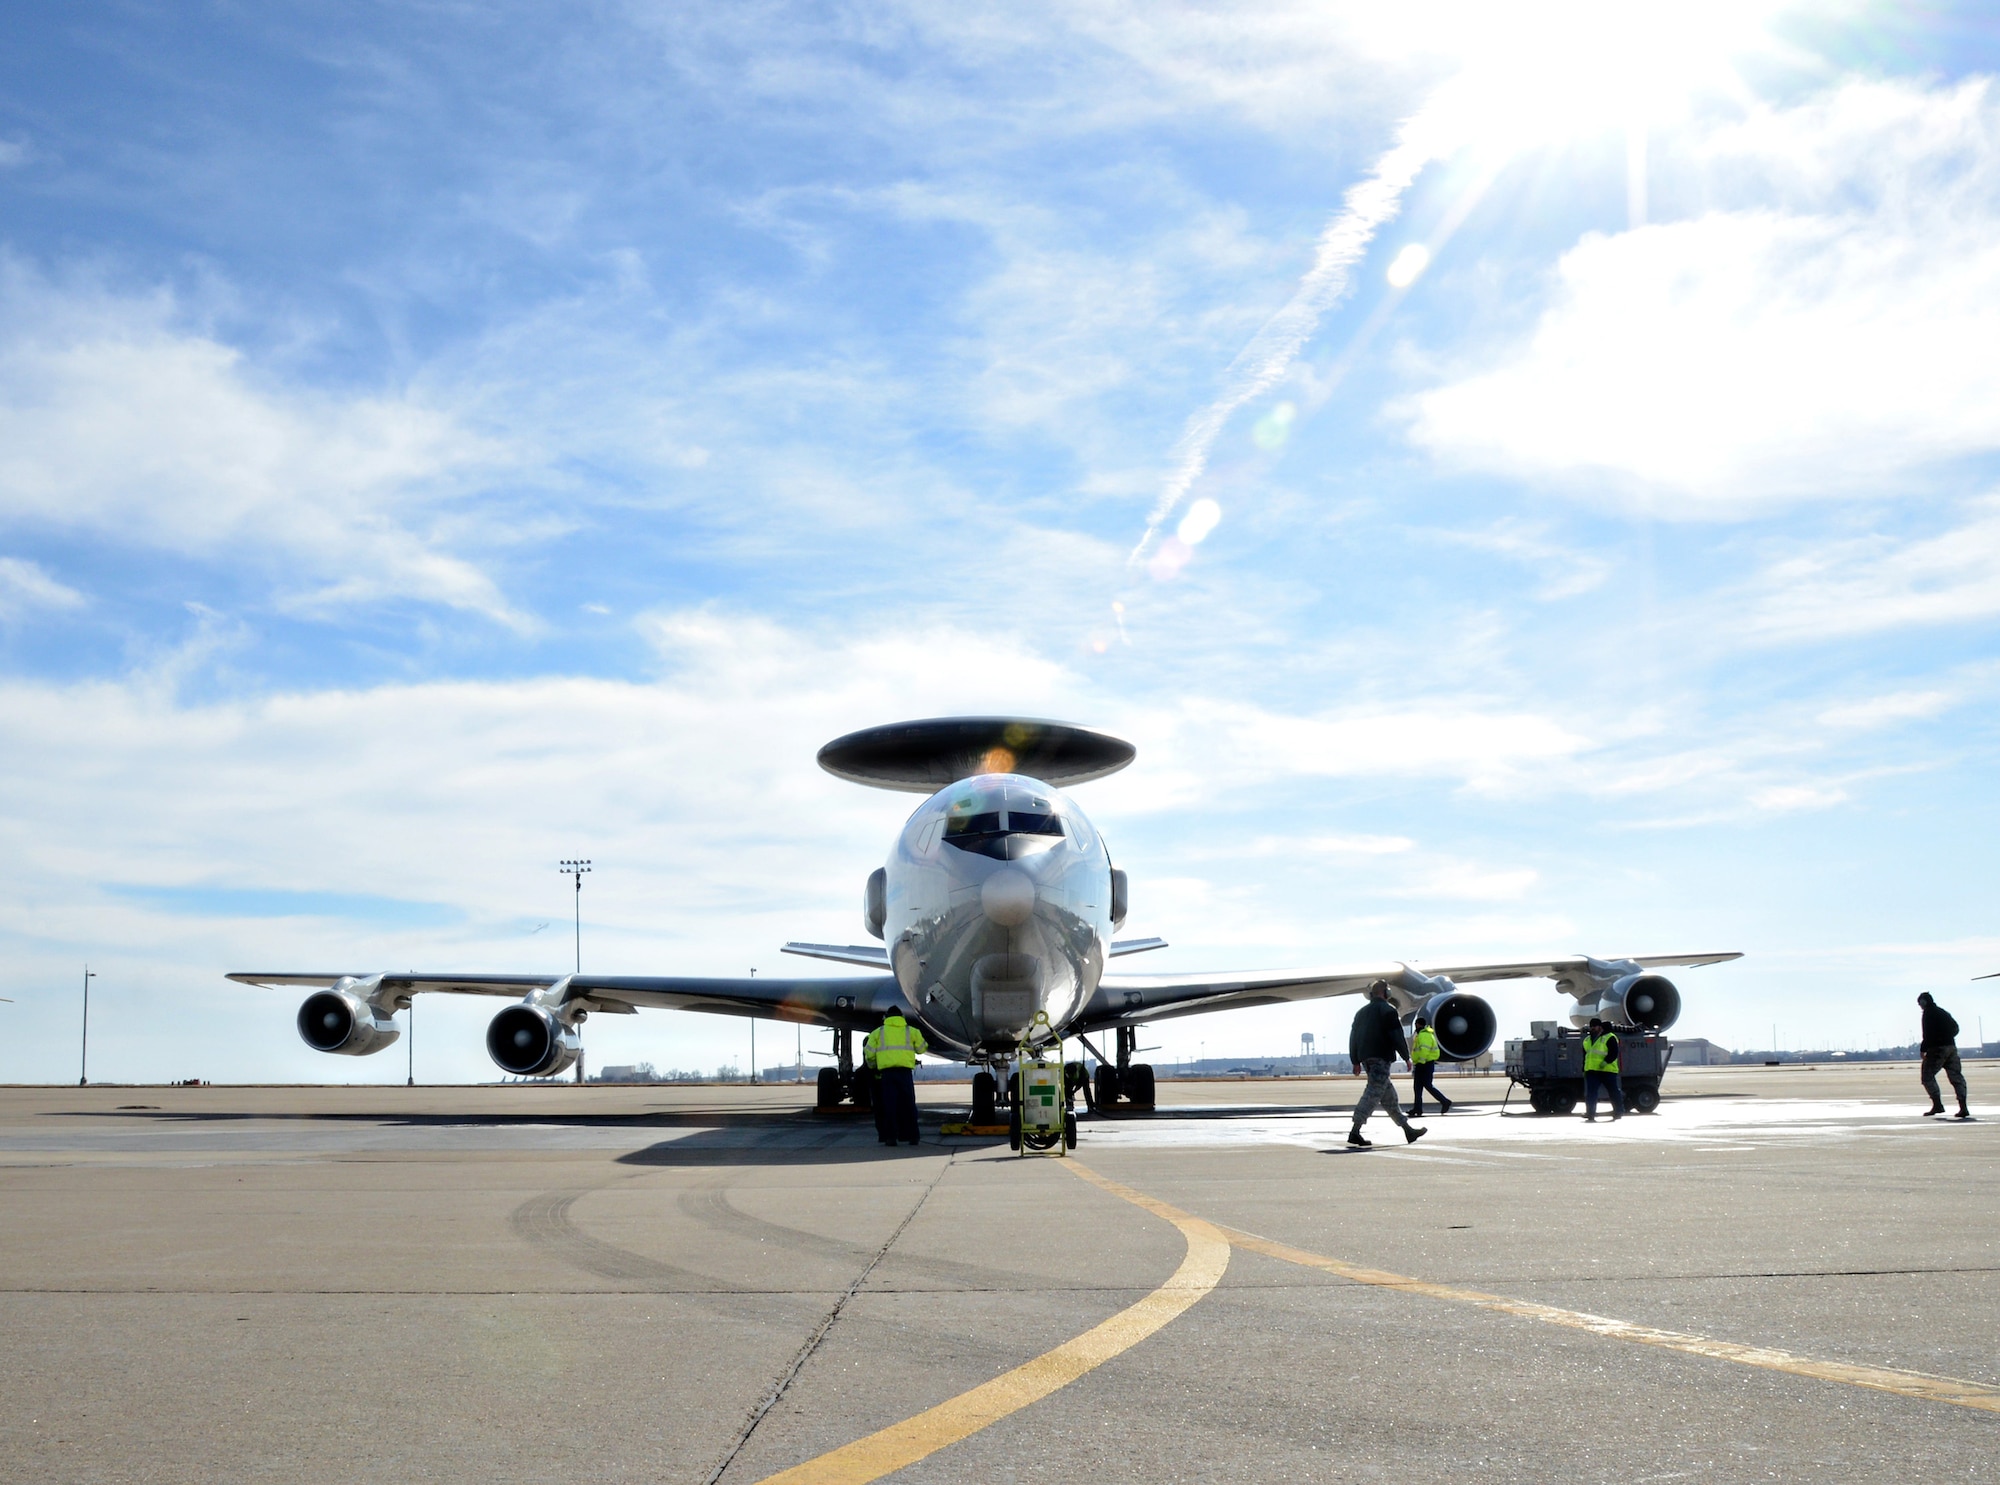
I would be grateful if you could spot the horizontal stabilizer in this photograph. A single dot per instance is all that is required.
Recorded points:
(924, 757)
(872, 955)
(1136, 946)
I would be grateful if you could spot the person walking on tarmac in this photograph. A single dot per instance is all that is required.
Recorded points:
(1939, 1049)
(893, 1048)
(1373, 1042)
(1424, 1055)
(1600, 1070)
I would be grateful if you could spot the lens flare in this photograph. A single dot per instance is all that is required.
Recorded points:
(1275, 427)
(1408, 266)
(1200, 519)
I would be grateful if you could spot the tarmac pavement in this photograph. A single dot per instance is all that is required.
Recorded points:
(541, 1283)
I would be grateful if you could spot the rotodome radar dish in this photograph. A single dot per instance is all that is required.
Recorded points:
(923, 757)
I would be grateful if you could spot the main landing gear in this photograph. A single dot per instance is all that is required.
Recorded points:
(845, 1084)
(1126, 1087)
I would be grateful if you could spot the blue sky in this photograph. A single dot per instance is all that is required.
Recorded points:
(435, 441)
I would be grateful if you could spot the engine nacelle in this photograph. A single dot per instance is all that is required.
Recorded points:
(875, 901)
(530, 1042)
(1647, 1001)
(1463, 1024)
(341, 1022)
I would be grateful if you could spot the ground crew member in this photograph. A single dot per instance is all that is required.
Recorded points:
(1424, 1055)
(1373, 1042)
(1939, 1049)
(1600, 1070)
(871, 1079)
(893, 1048)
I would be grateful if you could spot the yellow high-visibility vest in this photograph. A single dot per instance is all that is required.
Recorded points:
(895, 1044)
(1594, 1058)
(1424, 1046)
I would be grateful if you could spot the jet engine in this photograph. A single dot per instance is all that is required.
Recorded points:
(1647, 1001)
(340, 1021)
(529, 1042)
(1463, 1024)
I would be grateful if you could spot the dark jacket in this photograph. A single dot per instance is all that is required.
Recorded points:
(1939, 1029)
(1377, 1034)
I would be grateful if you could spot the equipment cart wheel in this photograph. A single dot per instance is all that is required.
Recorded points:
(985, 1091)
(863, 1091)
(1014, 1126)
(1069, 1131)
(1562, 1101)
(1643, 1097)
(1139, 1085)
(1538, 1100)
(829, 1088)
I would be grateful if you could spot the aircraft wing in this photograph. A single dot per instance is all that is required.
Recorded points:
(852, 1003)
(1127, 999)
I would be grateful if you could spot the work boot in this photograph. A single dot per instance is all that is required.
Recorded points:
(1933, 1110)
(1411, 1134)
(1446, 1109)
(1963, 1114)
(1354, 1138)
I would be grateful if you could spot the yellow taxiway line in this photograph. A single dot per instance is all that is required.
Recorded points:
(1208, 1246)
(905, 1443)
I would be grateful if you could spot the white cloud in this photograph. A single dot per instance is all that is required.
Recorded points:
(24, 586)
(1862, 585)
(118, 421)
(1832, 337)
(1786, 797)
(1883, 711)
(13, 152)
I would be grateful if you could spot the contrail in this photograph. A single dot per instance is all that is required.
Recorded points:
(1366, 207)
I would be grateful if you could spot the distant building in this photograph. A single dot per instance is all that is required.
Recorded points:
(627, 1072)
(1699, 1051)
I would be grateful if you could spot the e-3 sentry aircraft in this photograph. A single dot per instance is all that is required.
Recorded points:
(996, 907)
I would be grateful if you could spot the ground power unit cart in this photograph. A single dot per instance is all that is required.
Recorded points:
(1549, 1065)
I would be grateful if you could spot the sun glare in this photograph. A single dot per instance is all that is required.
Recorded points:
(1544, 72)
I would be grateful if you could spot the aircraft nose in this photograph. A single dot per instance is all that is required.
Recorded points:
(1008, 897)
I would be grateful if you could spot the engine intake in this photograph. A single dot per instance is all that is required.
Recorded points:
(1648, 1001)
(1463, 1024)
(528, 1042)
(343, 1023)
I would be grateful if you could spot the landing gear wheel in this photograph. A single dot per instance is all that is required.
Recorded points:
(1069, 1131)
(985, 1093)
(1107, 1086)
(829, 1088)
(1643, 1098)
(1139, 1085)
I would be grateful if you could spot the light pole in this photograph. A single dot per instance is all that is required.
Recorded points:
(753, 1040)
(411, 1050)
(577, 869)
(83, 1066)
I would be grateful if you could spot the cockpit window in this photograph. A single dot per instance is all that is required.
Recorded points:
(985, 823)
(1026, 822)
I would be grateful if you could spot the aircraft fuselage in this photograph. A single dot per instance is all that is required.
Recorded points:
(998, 906)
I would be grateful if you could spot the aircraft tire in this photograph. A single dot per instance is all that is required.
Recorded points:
(985, 1096)
(1139, 1085)
(829, 1088)
(1107, 1086)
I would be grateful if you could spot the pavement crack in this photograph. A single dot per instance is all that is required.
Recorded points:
(820, 1333)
